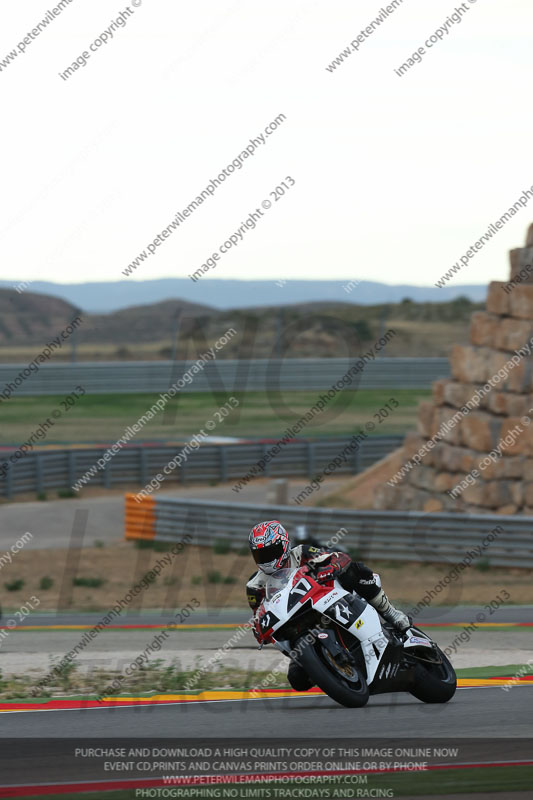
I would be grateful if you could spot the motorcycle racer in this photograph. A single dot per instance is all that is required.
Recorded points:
(271, 549)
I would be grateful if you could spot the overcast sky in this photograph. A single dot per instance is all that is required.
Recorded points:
(395, 178)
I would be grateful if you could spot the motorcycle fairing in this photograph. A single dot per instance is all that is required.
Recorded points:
(347, 610)
(391, 674)
(362, 621)
(416, 639)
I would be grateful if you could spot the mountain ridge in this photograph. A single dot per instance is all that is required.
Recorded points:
(226, 294)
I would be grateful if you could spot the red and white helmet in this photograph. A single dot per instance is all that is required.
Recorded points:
(270, 546)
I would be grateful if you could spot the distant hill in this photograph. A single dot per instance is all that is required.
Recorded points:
(177, 328)
(31, 317)
(226, 294)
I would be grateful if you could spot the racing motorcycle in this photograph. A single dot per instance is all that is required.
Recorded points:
(345, 647)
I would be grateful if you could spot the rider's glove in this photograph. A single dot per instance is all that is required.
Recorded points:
(337, 564)
(258, 633)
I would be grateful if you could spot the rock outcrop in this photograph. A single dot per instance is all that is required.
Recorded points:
(473, 450)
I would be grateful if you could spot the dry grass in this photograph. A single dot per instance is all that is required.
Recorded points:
(122, 565)
(143, 351)
(419, 339)
(152, 678)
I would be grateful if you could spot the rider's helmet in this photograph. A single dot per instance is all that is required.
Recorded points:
(270, 546)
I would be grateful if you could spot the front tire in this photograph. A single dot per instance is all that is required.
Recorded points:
(434, 683)
(350, 691)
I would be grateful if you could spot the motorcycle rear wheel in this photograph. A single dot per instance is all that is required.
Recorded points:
(321, 668)
(434, 683)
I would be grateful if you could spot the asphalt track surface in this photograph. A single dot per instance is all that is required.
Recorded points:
(473, 712)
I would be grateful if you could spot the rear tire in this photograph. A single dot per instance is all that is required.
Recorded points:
(434, 683)
(343, 691)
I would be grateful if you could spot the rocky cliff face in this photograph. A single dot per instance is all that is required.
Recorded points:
(473, 450)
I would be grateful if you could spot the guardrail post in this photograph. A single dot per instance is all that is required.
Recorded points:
(107, 475)
(143, 465)
(357, 458)
(39, 472)
(310, 459)
(266, 448)
(223, 463)
(9, 481)
(71, 466)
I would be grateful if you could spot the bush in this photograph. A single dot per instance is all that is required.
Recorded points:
(222, 547)
(243, 551)
(214, 577)
(99, 543)
(65, 674)
(14, 586)
(362, 329)
(42, 496)
(149, 578)
(152, 544)
(196, 580)
(66, 493)
(483, 565)
(162, 547)
(93, 583)
(46, 583)
(230, 579)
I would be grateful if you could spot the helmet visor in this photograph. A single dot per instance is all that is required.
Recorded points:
(265, 555)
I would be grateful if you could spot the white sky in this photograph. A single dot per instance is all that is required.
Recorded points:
(395, 177)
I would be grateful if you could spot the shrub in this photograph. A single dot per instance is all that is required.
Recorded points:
(14, 586)
(93, 583)
(162, 547)
(66, 493)
(196, 580)
(483, 565)
(46, 583)
(230, 579)
(42, 496)
(152, 544)
(222, 547)
(214, 576)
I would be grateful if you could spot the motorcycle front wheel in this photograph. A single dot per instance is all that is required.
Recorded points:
(342, 682)
(434, 682)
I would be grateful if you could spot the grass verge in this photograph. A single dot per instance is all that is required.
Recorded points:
(260, 414)
(156, 677)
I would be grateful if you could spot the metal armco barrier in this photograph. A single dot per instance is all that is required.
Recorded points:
(296, 374)
(390, 535)
(61, 469)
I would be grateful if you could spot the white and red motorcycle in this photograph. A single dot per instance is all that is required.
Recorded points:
(345, 647)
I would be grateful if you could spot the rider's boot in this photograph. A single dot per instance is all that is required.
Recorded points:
(393, 615)
(298, 678)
